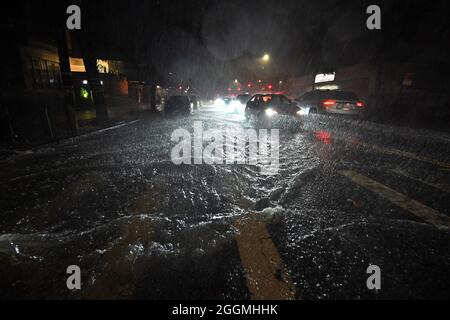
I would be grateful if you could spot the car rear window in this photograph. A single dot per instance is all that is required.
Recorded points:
(307, 96)
(267, 99)
(339, 95)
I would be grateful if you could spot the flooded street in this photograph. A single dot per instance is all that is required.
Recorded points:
(348, 195)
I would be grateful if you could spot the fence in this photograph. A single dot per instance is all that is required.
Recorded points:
(33, 117)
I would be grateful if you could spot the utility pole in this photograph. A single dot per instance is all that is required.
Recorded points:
(90, 64)
(153, 85)
(66, 75)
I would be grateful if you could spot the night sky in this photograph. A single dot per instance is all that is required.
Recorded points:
(203, 42)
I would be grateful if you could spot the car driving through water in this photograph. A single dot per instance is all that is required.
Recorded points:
(263, 107)
(179, 105)
(331, 102)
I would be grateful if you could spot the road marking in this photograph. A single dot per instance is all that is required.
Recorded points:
(266, 275)
(439, 186)
(405, 154)
(420, 210)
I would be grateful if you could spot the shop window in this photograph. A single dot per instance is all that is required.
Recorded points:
(46, 74)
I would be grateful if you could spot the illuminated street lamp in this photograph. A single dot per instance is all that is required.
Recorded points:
(266, 57)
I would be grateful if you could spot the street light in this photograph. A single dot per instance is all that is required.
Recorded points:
(266, 57)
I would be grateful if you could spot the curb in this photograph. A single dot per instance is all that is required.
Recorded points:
(65, 141)
(93, 133)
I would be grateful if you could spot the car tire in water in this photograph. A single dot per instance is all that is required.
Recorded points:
(248, 116)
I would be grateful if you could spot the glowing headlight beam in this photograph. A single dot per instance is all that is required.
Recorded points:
(271, 112)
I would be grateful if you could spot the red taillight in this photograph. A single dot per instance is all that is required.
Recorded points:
(360, 104)
(329, 103)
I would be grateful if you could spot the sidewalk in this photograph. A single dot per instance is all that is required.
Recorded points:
(121, 111)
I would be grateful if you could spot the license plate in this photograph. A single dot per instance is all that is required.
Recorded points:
(347, 107)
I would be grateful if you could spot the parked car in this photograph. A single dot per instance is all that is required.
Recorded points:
(179, 105)
(269, 106)
(330, 102)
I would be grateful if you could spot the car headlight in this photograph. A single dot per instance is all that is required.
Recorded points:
(219, 102)
(271, 112)
(237, 104)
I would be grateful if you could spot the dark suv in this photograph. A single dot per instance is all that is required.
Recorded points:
(179, 105)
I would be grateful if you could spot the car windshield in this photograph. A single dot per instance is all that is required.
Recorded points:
(228, 153)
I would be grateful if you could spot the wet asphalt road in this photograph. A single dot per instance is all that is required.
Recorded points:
(348, 195)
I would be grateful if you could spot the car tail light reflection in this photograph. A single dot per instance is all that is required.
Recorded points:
(323, 136)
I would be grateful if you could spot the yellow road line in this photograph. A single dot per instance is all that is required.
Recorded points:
(420, 210)
(439, 186)
(266, 276)
(405, 154)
